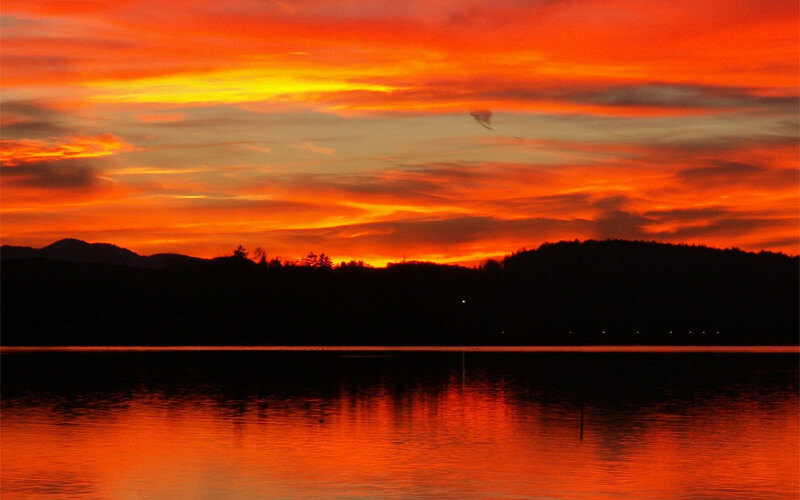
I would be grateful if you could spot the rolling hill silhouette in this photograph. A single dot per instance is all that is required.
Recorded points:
(592, 292)
(74, 250)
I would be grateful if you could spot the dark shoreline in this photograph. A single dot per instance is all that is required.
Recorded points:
(740, 349)
(571, 293)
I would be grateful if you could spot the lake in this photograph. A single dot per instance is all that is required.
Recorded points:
(408, 423)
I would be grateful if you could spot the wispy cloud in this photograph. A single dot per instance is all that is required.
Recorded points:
(31, 151)
(310, 146)
(63, 174)
(160, 117)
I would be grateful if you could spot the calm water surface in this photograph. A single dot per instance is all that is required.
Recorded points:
(362, 424)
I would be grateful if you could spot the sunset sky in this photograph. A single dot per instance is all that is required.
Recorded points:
(438, 130)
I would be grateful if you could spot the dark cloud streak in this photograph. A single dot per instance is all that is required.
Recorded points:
(483, 117)
(720, 171)
(62, 174)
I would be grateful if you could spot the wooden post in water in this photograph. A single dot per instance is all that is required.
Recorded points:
(580, 399)
(463, 370)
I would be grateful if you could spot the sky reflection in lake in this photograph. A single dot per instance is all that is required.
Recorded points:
(399, 425)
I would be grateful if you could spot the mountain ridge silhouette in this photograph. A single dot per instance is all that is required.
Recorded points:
(76, 250)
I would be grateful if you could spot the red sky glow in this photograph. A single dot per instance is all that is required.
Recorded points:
(346, 126)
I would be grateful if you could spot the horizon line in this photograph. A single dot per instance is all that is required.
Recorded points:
(754, 349)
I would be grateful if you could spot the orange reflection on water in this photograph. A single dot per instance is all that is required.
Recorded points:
(447, 440)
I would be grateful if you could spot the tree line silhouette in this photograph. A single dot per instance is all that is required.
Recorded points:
(592, 292)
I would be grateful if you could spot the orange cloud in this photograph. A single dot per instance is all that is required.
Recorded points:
(444, 212)
(310, 146)
(32, 151)
(432, 56)
(160, 117)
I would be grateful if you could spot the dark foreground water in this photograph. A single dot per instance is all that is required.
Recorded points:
(399, 425)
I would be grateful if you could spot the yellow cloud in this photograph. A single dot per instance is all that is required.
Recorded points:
(226, 87)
